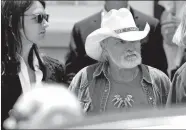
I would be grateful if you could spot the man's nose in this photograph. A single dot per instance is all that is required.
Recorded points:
(130, 50)
(131, 45)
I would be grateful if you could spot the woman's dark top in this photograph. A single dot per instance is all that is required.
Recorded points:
(11, 85)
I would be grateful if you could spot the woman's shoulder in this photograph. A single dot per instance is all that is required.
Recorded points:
(51, 62)
(55, 69)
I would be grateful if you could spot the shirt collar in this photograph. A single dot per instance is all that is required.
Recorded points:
(24, 76)
(103, 68)
(35, 61)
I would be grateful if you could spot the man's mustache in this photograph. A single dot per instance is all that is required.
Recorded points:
(131, 53)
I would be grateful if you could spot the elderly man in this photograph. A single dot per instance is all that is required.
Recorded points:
(153, 43)
(177, 93)
(118, 81)
(47, 106)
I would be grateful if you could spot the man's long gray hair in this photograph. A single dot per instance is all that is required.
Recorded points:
(104, 55)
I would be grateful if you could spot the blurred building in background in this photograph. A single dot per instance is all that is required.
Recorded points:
(63, 15)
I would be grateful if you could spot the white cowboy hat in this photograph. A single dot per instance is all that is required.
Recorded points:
(116, 23)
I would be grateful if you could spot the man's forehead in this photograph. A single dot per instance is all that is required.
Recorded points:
(116, 39)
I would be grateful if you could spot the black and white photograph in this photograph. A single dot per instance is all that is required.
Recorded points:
(79, 64)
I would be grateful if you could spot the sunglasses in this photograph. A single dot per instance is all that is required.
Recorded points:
(40, 17)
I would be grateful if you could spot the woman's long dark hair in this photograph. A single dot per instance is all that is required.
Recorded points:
(11, 44)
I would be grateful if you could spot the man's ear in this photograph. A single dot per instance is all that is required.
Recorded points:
(10, 21)
(103, 44)
(104, 55)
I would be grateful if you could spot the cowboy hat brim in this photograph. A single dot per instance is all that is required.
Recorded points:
(92, 44)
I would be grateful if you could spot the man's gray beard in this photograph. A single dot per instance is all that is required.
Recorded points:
(133, 63)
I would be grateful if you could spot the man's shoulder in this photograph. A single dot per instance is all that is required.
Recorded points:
(159, 80)
(156, 72)
(88, 19)
(90, 69)
(87, 72)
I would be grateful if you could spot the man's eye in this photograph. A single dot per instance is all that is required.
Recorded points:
(120, 42)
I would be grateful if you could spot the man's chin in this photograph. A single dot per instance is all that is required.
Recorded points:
(131, 64)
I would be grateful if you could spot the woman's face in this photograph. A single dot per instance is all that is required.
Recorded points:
(124, 54)
(34, 31)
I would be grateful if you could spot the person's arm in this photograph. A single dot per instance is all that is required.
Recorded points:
(79, 87)
(177, 92)
(162, 85)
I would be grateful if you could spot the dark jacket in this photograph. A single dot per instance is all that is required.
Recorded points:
(152, 48)
(92, 83)
(11, 85)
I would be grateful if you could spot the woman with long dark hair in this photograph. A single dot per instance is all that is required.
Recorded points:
(24, 24)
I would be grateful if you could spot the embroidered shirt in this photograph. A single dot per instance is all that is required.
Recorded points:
(91, 85)
(133, 88)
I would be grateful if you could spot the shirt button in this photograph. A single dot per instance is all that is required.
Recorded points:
(106, 90)
(150, 98)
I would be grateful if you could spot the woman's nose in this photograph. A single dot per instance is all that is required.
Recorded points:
(45, 23)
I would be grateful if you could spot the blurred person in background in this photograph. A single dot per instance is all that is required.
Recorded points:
(24, 24)
(77, 58)
(177, 93)
(119, 81)
(170, 20)
(47, 106)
